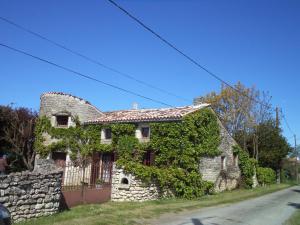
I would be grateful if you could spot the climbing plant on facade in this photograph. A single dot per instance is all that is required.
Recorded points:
(247, 166)
(78, 140)
(178, 148)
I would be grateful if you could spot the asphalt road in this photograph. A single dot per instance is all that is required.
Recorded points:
(271, 209)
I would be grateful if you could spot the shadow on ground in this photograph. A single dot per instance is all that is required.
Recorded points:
(295, 205)
(198, 222)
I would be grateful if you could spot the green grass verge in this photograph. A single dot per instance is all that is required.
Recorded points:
(126, 213)
(295, 219)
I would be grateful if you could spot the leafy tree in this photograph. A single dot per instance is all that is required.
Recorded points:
(295, 152)
(4, 121)
(241, 112)
(17, 136)
(273, 146)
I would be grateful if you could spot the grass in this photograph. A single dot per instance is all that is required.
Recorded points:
(126, 213)
(295, 219)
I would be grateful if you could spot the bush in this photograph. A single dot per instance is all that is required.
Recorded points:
(247, 166)
(265, 176)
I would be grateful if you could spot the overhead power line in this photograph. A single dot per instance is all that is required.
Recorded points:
(83, 75)
(189, 58)
(92, 60)
(287, 124)
(173, 46)
(125, 74)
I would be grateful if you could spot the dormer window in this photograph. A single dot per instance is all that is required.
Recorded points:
(107, 134)
(145, 132)
(62, 121)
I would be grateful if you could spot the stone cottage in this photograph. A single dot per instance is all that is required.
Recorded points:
(61, 107)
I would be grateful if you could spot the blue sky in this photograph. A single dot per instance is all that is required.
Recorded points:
(255, 42)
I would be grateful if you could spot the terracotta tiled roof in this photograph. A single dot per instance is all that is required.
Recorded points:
(147, 115)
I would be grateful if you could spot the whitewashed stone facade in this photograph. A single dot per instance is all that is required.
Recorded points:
(134, 190)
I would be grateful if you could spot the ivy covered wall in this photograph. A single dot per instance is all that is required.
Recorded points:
(178, 147)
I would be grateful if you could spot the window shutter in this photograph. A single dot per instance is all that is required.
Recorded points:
(152, 158)
(149, 158)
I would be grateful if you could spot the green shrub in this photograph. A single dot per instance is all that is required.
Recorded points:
(247, 166)
(265, 176)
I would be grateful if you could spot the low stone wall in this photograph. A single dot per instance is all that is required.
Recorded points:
(126, 187)
(31, 194)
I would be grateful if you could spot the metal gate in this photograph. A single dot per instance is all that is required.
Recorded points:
(87, 184)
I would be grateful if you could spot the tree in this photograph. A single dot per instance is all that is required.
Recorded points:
(4, 118)
(17, 136)
(295, 152)
(233, 108)
(273, 146)
(80, 141)
(241, 112)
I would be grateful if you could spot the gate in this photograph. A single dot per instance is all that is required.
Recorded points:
(89, 184)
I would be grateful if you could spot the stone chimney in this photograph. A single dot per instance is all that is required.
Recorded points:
(135, 106)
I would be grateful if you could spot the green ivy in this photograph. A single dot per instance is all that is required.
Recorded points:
(266, 176)
(178, 147)
(79, 139)
(247, 166)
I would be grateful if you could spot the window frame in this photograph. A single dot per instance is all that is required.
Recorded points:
(105, 134)
(235, 159)
(57, 121)
(149, 158)
(223, 162)
(142, 133)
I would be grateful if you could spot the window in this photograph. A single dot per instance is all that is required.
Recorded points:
(223, 162)
(148, 158)
(107, 134)
(59, 158)
(235, 160)
(145, 132)
(124, 181)
(62, 121)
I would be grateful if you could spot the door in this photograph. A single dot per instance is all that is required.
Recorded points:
(106, 167)
(95, 168)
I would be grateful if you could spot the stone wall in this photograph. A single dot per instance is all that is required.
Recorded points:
(134, 190)
(54, 103)
(31, 194)
(211, 167)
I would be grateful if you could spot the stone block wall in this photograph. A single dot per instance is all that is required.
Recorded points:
(134, 190)
(211, 167)
(54, 103)
(31, 194)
